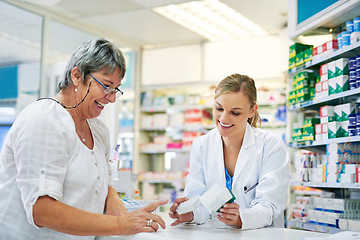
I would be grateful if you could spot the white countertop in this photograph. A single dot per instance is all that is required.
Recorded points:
(214, 229)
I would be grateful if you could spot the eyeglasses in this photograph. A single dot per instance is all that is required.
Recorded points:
(109, 90)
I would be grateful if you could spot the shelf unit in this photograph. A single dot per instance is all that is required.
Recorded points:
(340, 189)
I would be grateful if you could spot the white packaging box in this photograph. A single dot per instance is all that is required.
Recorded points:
(332, 167)
(325, 131)
(147, 122)
(350, 168)
(332, 148)
(354, 225)
(160, 120)
(318, 202)
(334, 129)
(339, 204)
(327, 111)
(331, 69)
(341, 66)
(324, 72)
(346, 178)
(312, 215)
(332, 86)
(343, 224)
(333, 157)
(342, 83)
(331, 178)
(338, 113)
(346, 110)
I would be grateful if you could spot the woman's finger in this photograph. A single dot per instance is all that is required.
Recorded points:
(152, 206)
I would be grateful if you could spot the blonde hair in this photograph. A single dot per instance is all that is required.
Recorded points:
(236, 83)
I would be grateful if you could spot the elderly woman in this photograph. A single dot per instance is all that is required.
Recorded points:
(55, 180)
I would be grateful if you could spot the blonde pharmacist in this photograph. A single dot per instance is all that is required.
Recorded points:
(249, 161)
(55, 181)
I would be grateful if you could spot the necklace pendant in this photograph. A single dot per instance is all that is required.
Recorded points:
(83, 139)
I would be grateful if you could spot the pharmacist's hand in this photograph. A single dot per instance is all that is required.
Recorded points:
(230, 214)
(180, 218)
(138, 220)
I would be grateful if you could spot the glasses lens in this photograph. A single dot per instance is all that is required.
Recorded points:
(109, 91)
(118, 93)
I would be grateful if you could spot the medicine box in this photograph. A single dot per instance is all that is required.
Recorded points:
(327, 111)
(338, 113)
(332, 86)
(331, 69)
(334, 130)
(346, 110)
(342, 67)
(324, 72)
(342, 83)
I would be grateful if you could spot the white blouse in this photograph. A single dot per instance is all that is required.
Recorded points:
(42, 155)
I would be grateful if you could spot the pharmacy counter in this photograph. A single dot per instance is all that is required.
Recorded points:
(214, 229)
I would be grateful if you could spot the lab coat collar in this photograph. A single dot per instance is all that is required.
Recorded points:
(244, 156)
(218, 152)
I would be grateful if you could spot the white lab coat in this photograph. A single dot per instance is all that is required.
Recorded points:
(262, 159)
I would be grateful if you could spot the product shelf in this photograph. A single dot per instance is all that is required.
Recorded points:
(345, 52)
(346, 96)
(292, 223)
(307, 144)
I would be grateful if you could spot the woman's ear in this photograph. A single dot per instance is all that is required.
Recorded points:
(76, 76)
(253, 110)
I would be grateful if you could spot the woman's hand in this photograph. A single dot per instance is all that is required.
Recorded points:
(138, 220)
(114, 205)
(180, 218)
(230, 214)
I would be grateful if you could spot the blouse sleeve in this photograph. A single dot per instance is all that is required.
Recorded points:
(41, 153)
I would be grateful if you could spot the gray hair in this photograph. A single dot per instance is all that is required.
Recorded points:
(92, 56)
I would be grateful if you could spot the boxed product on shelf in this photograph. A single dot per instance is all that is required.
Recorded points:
(331, 69)
(332, 86)
(334, 129)
(342, 83)
(160, 120)
(324, 72)
(341, 67)
(346, 110)
(297, 48)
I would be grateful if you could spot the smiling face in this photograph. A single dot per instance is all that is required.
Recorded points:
(231, 111)
(96, 100)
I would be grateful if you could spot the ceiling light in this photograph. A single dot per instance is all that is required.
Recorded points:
(212, 19)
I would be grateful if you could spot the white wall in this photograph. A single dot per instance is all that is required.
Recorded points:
(260, 58)
(171, 65)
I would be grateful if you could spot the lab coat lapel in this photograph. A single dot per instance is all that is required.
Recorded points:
(217, 154)
(244, 154)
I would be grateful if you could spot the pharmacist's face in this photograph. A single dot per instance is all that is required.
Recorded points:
(231, 112)
(97, 99)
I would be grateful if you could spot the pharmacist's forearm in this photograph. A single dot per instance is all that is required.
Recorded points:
(49, 213)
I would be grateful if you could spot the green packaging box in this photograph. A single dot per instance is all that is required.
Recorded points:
(342, 83)
(311, 122)
(342, 67)
(312, 92)
(331, 69)
(298, 47)
(338, 113)
(332, 86)
(334, 130)
(346, 110)
(291, 62)
(308, 133)
(296, 132)
(344, 128)
(308, 53)
(299, 59)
